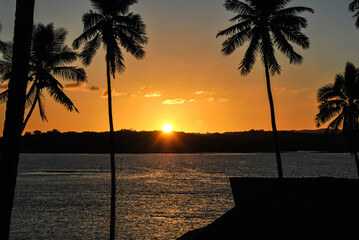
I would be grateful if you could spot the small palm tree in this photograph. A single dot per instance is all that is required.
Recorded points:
(340, 101)
(112, 25)
(48, 61)
(354, 7)
(266, 25)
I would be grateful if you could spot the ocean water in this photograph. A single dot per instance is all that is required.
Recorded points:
(159, 196)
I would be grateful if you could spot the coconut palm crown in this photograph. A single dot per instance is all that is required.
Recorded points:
(49, 59)
(354, 7)
(339, 103)
(266, 25)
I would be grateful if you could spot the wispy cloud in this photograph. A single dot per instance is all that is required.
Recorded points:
(75, 86)
(202, 92)
(222, 100)
(153, 94)
(174, 101)
(81, 86)
(114, 93)
(279, 90)
(298, 91)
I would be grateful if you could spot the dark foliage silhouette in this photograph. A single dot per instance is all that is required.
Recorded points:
(15, 107)
(156, 142)
(354, 7)
(48, 61)
(340, 101)
(266, 25)
(114, 26)
(2, 44)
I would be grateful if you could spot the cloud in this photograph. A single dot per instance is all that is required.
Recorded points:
(222, 100)
(75, 86)
(81, 86)
(193, 101)
(200, 92)
(94, 88)
(153, 94)
(211, 99)
(174, 101)
(298, 91)
(279, 90)
(114, 93)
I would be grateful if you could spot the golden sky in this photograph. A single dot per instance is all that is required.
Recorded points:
(185, 81)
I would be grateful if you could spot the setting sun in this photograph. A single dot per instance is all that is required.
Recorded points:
(167, 128)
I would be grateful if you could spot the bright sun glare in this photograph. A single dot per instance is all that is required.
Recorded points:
(167, 128)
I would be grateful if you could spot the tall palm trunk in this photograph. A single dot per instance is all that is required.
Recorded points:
(112, 153)
(274, 126)
(15, 108)
(31, 109)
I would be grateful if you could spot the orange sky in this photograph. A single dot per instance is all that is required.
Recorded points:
(185, 81)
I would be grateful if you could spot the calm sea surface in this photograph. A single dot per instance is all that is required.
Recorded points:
(159, 196)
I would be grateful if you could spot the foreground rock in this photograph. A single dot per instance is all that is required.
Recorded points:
(307, 208)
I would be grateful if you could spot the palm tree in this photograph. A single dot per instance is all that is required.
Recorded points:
(15, 107)
(112, 25)
(266, 25)
(48, 61)
(340, 100)
(354, 7)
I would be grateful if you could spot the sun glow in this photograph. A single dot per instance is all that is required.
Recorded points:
(167, 128)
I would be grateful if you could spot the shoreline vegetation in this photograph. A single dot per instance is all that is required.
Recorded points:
(131, 141)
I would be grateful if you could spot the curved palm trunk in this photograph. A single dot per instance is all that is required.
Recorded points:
(112, 153)
(31, 110)
(15, 108)
(274, 126)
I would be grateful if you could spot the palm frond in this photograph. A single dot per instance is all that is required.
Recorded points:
(41, 104)
(327, 110)
(3, 96)
(353, 6)
(235, 28)
(328, 92)
(91, 19)
(239, 7)
(59, 96)
(293, 11)
(87, 35)
(236, 40)
(131, 46)
(250, 56)
(290, 21)
(70, 73)
(281, 42)
(90, 49)
(31, 94)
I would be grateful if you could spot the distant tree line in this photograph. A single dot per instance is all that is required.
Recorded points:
(130, 141)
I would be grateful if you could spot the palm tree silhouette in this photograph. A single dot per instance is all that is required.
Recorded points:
(354, 7)
(112, 25)
(266, 25)
(340, 100)
(48, 61)
(15, 107)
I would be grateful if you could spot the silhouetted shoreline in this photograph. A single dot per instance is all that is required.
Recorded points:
(130, 141)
